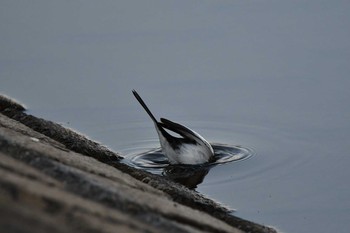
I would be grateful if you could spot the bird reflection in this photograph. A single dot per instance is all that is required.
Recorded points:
(189, 176)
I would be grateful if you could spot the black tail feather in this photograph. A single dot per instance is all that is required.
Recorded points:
(137, 96)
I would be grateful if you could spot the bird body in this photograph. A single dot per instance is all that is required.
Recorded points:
(190, 148)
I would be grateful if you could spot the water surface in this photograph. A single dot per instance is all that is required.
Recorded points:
(268, 76)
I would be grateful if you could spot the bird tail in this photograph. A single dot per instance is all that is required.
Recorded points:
(144, 106)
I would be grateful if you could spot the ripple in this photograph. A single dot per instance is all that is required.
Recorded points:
(226, 153)
(155, 159)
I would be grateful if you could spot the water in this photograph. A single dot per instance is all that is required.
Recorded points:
(154, 161)
(266, 76)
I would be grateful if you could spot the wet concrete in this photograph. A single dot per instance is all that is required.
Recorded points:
(54, 179)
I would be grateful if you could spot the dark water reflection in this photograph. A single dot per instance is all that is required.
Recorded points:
(190, 176)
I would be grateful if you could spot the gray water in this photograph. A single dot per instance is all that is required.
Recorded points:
(270, 76)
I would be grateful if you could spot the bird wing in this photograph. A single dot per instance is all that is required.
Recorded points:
(183, 131)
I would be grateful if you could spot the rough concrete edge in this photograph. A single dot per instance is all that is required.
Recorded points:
(7, 102)
(49, 199)
(80, 144)
(71, 139)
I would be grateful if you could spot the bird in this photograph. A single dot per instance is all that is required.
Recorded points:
(189, 149)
